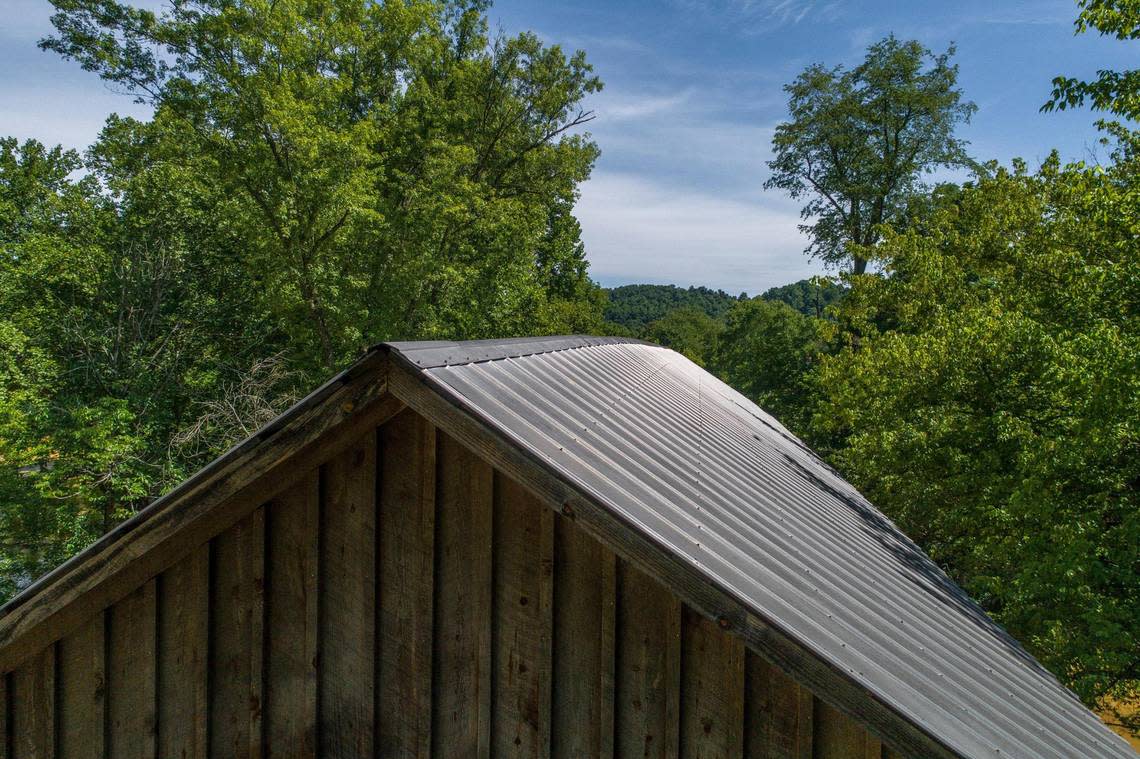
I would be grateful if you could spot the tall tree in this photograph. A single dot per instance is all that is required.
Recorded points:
(859, 140)
(389, 170)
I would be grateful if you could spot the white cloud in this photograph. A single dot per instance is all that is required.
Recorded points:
(630, 107)
(641, 231)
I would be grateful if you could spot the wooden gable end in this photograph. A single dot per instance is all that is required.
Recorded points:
(371, 585)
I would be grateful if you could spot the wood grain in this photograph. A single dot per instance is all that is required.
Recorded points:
(583, 646)
(292, 537)
(237, 607)
(779, 713)
(462, 687)
(712, 690)
(406, 555)
(522, 626)
(837, 736)
(183, 656)
(131, 711)
(347, 636)
(81, 688)
(32, 694)
(648, 667)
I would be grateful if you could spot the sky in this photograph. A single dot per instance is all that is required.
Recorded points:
(693, 92)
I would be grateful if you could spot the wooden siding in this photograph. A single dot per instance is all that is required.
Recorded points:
(404, 599)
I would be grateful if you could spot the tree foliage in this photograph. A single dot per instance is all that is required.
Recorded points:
(859, 140)
(317, 177)
(998, 418)
(385, 169)
(1114, 91)
(634, 306)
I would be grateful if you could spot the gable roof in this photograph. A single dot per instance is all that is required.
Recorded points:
(686, 461)
(684, 475)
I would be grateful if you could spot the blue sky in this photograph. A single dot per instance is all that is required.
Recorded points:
(693, 92)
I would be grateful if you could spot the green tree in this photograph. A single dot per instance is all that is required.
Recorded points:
(859, 140)
(386, 170)
(687, 330)
(998, 418)
(766, 351)
(1114, 91)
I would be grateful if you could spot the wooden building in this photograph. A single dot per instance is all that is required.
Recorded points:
(558, 547)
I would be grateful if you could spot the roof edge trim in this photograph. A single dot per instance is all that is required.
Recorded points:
(432, 354)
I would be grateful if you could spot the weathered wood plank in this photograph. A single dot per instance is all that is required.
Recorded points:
(347, 637)
(874, 748)
(5, 727)
(648, 667)
(183, 656)
(33, 707)
(778, 722)
(837, 736)
(82, 675)
(461, 694)
(237, 607)
(407, 544)
(202, 507)
(583, 653)
(447, 412)
(292, 538)
(131, 675)
(522, 629)
(712, 690)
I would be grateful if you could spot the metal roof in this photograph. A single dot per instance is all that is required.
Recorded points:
(711, 477)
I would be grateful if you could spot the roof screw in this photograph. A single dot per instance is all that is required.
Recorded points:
(723, 622)
(567, 510)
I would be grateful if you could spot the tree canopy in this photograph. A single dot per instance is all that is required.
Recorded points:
(858, 141)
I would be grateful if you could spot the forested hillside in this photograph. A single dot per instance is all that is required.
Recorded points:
(634, 306)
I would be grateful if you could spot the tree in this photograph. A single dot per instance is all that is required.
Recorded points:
(384, 169)
(859, 140)
(767, 351)
(997, 420)
(687, 330)
(1115, 91)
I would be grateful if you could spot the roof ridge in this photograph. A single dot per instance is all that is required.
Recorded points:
(432, 354)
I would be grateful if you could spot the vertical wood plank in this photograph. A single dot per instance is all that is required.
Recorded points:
(292, 536)
(521, 633)
(461, 689)
(648, 667)
(183, 652)
(837, 736)
(583, 653)
(890, 753)
(778, 723)
(33, 707)
(131, 675)
(712, 690)
(236, 625)
(347, 637)
(5, 727)
(81, 695)
(874, 748)
(406, 543)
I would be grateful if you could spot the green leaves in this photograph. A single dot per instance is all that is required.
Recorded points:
(858, 141)
(988, 400)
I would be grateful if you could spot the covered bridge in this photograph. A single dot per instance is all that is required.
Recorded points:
(554, 547)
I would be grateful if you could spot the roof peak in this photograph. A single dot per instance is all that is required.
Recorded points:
(430, 354)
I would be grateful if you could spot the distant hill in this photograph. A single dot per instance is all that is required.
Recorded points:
(634, 306)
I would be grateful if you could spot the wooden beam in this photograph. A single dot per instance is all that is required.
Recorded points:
(202, 507)
(762, 635)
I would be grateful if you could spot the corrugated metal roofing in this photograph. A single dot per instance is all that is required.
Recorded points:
(713, 478)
